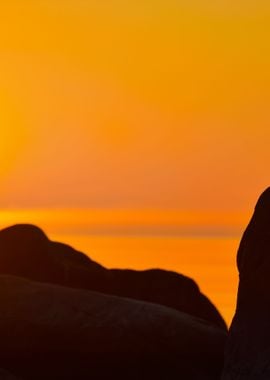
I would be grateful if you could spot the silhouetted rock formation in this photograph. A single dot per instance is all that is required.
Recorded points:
(248, 350)
(26, 251)
(53, 332)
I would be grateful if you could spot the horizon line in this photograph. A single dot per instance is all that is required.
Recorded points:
(136, 222)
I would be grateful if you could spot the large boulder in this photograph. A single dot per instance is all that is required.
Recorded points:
(248, 349)
(27, 252)
(53, 332)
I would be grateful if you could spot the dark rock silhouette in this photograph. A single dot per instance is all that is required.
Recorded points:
(26, 251)
(248, 349)
(53, 332)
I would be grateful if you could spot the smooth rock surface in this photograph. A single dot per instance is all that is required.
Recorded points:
(53, 332)
(248, 349)
(5, 375)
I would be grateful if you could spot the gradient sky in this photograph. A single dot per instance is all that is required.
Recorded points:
(137, 131)
(134, 104)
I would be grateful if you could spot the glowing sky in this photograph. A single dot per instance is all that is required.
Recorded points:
(159, 104)
(137, 131)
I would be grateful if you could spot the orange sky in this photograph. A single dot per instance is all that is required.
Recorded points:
(116, 106)
(134, 104)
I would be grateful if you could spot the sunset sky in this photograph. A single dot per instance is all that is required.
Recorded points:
(159, 106)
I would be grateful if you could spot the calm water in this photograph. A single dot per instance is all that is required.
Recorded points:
(210, 261)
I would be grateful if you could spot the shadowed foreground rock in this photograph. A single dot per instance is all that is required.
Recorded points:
(26, 251)
(248, 350)
(4, 375)
(52, 332)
